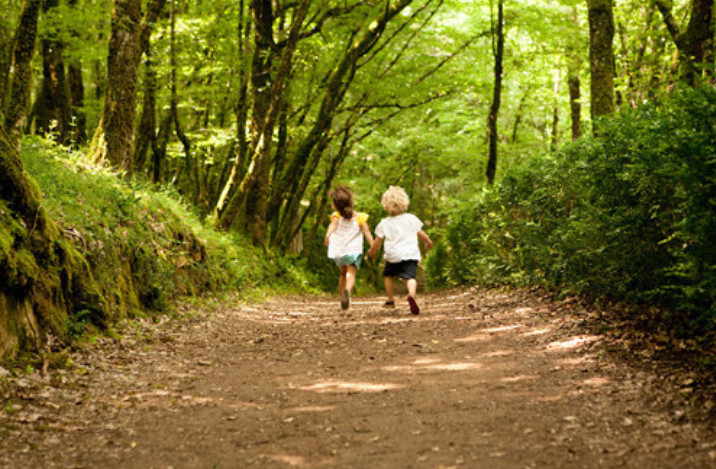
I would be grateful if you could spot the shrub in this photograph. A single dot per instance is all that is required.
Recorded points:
(630, 214)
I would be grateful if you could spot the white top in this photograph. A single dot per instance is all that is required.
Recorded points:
(348, 237)
(400, 235)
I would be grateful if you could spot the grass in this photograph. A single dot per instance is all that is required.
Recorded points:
(147, 248)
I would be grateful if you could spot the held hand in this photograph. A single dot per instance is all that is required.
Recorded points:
(428, 245)
(327, 240)
(371, 253)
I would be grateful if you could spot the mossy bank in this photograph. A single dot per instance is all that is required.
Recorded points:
(133, 250)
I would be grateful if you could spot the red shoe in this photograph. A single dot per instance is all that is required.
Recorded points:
(413, 305)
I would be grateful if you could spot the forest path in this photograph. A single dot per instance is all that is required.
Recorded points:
(481, 379)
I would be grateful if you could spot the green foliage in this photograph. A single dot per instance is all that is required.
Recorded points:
(143, 245)
(630, 214)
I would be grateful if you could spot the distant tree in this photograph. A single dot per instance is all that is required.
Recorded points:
(601, 57)
(696, 43)
(498, 51)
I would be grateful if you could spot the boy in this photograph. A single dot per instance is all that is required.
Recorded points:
(401, 232)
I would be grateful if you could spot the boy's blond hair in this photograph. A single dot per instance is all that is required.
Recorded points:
(395, 200)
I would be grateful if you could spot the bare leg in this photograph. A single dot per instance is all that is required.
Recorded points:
(389, 288)
(412, 287)
(350, 277)
(342, 279)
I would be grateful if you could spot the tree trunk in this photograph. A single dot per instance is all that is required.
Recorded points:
(254, 187)
(338, 82)
(555, 108)
(147, 130)
(77, 97)
(239, 156)
(53, 107)
(575, 105)
(5, 62)
(696, 44)
(114, 138)
(159, 149)
(21, 79)
(519, 113)
(601, 57)
(498, 52)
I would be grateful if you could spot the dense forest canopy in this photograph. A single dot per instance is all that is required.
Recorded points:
(401, 90)
(253, 109)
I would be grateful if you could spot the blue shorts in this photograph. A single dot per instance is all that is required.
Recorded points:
(348, 259)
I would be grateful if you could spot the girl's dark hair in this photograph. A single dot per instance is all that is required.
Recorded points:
(343, 200)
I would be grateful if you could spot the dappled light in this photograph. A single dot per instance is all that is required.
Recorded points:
(487, 333)
(337, 386)
(596, 381)
(572, 343)
(314, 408)
(534, 332)
(514, 379)
(433, 364)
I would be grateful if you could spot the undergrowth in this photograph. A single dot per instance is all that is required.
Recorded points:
(628, 215)
(145, 247)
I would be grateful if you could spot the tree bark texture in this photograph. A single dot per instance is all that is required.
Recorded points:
(21, 79)
(5, 62)
(498, 52)
(146, 132)
(114, 137)
(696, 43)
(575, 105)
(52, 111)
(601, 57)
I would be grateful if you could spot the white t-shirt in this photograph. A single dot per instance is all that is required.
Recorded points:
(400, 235)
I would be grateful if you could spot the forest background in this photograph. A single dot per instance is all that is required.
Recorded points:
(186, 147)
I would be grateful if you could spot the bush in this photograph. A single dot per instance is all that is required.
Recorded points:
(630, 214)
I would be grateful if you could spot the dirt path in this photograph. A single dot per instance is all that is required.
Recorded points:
(479, 380)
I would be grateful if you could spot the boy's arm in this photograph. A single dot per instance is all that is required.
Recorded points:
(375, 245)
(366, 232)
(426, 239)
(331, 228)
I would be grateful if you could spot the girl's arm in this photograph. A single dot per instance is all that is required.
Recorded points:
(374, 246)
(366, 232)
(426, 239)
(331, 228)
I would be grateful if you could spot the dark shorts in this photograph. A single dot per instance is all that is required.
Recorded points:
(402, 269)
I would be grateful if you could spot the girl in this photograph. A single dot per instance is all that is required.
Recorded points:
(344, 239)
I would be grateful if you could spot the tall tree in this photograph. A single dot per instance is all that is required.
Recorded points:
(498, 51)
(696, 43)
(53, 105)
(114, 137)
(21, 78)
(601, 57)
(291, 184)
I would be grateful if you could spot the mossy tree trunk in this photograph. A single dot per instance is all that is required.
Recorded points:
(21, 78)
(114, 137)
(601, 57)
(43, 279)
